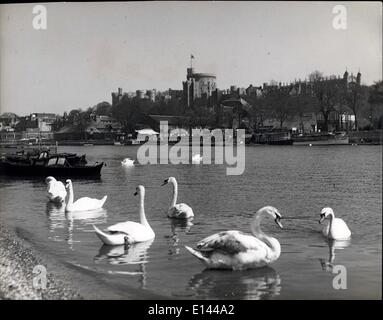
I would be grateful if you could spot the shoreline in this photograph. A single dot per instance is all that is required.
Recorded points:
(65, 281)
(17, 260)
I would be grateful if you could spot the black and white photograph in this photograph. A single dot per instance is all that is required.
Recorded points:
(205, 152)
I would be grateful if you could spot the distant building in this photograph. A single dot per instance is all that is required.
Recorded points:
(254, 91)
(151, 95)
(343, 119)
(139, 94)
(117, 96)
(198, 85)
(103, 125)
(8, 121)
(306, 86)
(44, 120)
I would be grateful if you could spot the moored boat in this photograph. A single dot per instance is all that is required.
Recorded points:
(46, 164)
(273, 138)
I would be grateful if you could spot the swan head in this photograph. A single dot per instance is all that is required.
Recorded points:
(49, 179)
(68, 183)
(325, 213)
(170, 179)
(274, 213)
(140, 190)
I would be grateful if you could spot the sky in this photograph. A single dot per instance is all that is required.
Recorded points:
(90, 49)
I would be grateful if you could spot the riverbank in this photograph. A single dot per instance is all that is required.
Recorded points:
(17, 261)
(65, 281)
(367, 137)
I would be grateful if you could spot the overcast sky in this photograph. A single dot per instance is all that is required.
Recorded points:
(90, 49)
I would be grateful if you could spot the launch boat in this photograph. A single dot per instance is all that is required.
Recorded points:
(46, 164)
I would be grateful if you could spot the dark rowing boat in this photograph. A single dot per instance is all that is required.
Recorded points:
(46, 164)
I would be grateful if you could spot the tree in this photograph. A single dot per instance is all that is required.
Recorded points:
(315, 76)
(74, 116)
(302, 104)
(102, 108)
(355, 98)
(280, 105)
(200, 114)
(375, 100)
(327, 95)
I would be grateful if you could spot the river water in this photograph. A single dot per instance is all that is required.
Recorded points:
(299, 181)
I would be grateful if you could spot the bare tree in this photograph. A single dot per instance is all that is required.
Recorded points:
(375, 100)
(315, 76)
(327, 94)
(302, 104)
(280, 105)
(355, 98)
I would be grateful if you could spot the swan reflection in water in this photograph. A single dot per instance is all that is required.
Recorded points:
(135, 254)
(327, 265)
(177, 226)
(255, 284)
(59, 220)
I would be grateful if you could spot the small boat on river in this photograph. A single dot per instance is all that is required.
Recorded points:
(45, 164)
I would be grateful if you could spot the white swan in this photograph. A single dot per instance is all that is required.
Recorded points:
(128, 232)
(127, 162)
(55, 190)
(336, 229)
(197, 158)
(81, 204)
(178, 210)
(239, 251)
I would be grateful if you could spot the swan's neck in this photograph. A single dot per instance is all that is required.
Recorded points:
(175, 194)
(271, 242)
(70, 198)
(142, 211)
(331, 217)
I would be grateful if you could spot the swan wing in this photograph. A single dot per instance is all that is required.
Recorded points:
(86, 203)
(231, 242)
(181, 210)
(339, 229)
(127, 227)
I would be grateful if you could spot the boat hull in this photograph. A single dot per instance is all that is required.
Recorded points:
(325, 142)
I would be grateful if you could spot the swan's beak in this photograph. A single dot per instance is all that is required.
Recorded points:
(136, 193)
(165, 182)
(322, 217)
(278, 222)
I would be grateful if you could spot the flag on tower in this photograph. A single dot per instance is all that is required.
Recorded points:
(191, 56)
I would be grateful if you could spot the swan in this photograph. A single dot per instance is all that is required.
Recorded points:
(197, 158)
(81, 204)
(178, 210)
(336, 229)
(239, 251)
(128, 232)
(55, 190)
(127, 162)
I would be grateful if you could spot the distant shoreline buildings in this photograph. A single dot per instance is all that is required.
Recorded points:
(231, 105)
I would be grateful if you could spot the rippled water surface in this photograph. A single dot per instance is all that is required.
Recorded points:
(299, 181)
